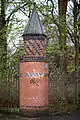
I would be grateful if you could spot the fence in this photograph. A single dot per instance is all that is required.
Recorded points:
(9, 89)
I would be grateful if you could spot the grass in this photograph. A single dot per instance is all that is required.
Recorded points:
(9, 110)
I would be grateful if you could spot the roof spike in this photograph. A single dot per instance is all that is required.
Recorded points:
(34, 4)
(34, 25)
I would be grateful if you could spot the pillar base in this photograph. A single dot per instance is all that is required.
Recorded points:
(33, 113)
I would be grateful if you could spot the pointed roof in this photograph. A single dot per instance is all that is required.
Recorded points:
(34, 25)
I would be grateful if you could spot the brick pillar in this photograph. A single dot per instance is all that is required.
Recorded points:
(34, 75)
(34, 69)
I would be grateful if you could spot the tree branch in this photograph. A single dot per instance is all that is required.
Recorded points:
(71, 36)
(15, 10)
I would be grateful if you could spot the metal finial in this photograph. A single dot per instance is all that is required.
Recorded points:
(34, 4)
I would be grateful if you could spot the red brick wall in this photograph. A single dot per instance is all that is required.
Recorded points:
(33, 85)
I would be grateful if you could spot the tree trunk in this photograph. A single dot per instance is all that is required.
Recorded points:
(75, 9)
(62, 5)
(3, 47)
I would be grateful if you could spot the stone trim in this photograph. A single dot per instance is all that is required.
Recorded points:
(33, 59)
(34, 37)
(33, 106)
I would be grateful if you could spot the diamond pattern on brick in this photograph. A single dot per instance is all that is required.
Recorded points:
(34, 47)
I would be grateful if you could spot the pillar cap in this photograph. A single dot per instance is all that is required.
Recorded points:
(34, 25)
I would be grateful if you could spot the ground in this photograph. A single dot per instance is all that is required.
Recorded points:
(71, 116)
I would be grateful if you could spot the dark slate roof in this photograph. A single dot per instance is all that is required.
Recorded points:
(34, 25)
